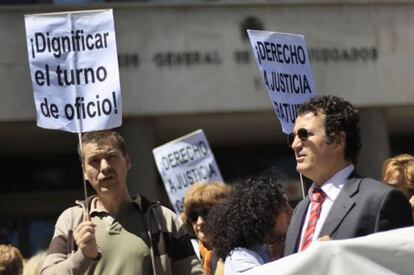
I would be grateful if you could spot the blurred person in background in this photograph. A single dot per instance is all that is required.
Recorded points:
(33, 265)
(11, 260)
(197, 203)
(256, 214)
(399, 172)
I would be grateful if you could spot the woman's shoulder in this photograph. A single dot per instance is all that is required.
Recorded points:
(242, 259)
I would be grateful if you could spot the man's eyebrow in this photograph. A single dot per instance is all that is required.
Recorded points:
(91, 156)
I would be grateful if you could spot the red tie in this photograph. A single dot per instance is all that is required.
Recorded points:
(317, 199)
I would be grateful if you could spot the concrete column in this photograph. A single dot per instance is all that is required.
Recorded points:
(375, 143)
(142, 177)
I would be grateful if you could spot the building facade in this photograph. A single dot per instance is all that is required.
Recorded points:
(187, 66)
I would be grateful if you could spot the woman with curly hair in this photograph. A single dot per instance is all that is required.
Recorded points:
(256, 214)
(197, 203)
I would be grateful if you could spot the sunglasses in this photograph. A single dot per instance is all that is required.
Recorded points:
(302, 133)
(193, 216)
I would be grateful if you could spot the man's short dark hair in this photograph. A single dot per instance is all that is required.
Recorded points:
(99, 136)
(340, 116)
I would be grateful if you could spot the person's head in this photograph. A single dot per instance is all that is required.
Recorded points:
(257, 212)
(399, 172)
(11, 260)
(106, 161)
(33, 266)
(326, 137)
(198, 200)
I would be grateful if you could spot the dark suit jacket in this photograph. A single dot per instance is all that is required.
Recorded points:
(363, 206)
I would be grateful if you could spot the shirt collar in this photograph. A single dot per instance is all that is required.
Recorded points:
(333, 186)
(94, 204)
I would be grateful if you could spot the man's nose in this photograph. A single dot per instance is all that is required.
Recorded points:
(105, 165)
(297, 143)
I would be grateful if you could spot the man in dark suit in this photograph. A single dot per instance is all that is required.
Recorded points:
(340, 204)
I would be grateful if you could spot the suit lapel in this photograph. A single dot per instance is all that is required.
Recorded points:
(295, 227)
(341, 206)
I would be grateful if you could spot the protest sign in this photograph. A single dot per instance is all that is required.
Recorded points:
(183, 162)
(283, 63)
(74, 70)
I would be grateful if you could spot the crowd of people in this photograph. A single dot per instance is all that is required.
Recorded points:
(233, 228)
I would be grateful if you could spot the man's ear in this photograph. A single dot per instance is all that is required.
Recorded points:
(340, 139)
(85, 176)
(129, 162)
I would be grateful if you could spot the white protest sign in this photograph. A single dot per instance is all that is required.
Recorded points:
(74, 69)
(183, 162)
(283, 63)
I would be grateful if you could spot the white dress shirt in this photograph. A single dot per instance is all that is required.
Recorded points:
(331, 187)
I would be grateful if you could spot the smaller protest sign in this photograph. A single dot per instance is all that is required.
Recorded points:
(74, 69)
(183, 162)
(283, 62)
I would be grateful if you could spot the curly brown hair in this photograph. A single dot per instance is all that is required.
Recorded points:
(247, 216)
(340, 116)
